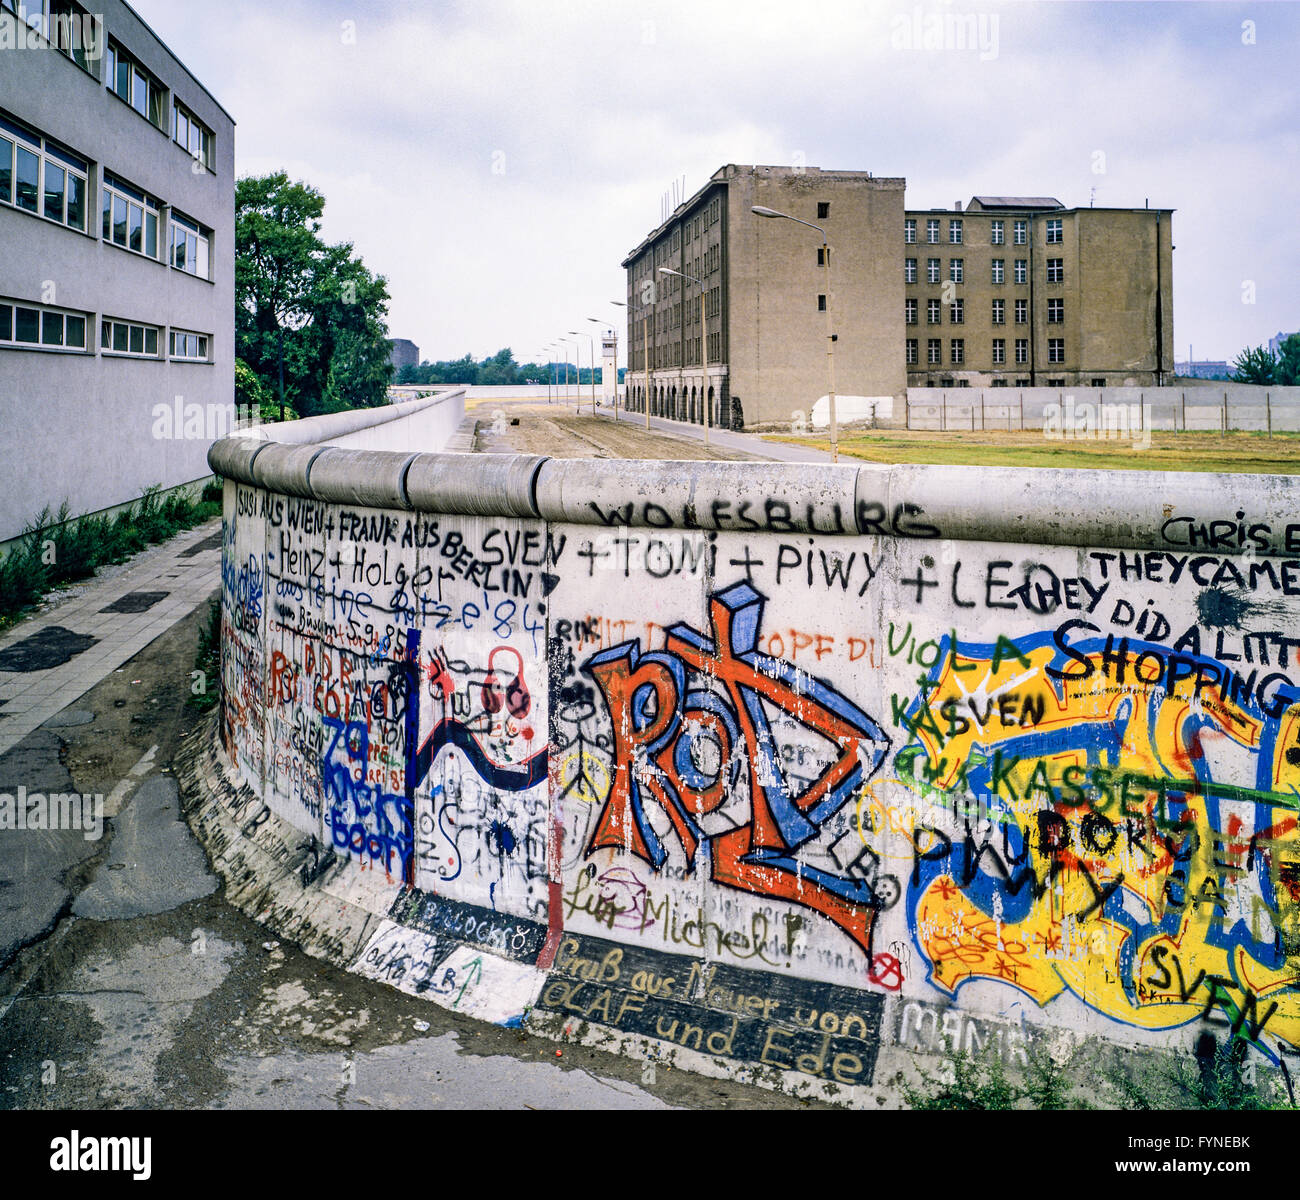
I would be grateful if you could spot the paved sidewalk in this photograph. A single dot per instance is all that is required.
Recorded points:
(55, 656)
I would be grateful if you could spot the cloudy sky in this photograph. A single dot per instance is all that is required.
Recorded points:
(496, 159)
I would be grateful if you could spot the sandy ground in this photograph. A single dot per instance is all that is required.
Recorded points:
(555, 430)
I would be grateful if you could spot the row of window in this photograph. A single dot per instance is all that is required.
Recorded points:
(63, 23)
(36, 325)
(998, 266)
(66, 25)
(41, 178)
(957, 312)
(130, 81)
(997, 231)
(957, 351)
(1001, 383)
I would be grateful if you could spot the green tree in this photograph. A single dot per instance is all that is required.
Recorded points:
(1287, 371)
(1254, 366)
(310, 319)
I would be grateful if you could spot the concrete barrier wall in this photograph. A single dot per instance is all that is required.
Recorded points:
(793, 773)
(1123, 413)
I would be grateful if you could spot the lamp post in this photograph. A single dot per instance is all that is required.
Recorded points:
(565, 343)
(592, 342)
(760, 211)
(604, 325)
(549, 351)
(704, 343)
(645, 345)
(619, 304)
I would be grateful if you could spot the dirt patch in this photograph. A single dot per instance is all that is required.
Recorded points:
(555, 430)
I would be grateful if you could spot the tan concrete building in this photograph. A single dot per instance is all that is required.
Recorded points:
(1022, 291)
(760, 354)
(1007, 291)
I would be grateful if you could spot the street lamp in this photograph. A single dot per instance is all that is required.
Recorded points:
(645, 346)
(759, 210)
(618, 304)
(704, 343)
(592, 342)
(545, 351)
(565, 343)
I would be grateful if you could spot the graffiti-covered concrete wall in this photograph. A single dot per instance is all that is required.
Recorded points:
(789, 772)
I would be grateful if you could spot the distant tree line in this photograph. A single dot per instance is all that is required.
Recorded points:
(498, 370)
(1261, 365)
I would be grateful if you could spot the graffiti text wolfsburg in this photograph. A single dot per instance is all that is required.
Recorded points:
(58, 810)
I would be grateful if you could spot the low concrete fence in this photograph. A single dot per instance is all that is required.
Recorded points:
(1124, 413)
(792, 773)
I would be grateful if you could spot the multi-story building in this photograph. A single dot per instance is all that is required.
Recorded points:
(1022, 291)
(1007, 291)
(402, 352)
(758, 352)
(117, 222)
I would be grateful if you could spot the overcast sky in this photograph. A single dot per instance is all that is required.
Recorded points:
(497, 159)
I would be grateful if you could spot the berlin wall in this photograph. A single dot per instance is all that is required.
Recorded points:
(794, 773)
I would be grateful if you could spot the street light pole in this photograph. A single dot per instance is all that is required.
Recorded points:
(760, 211)
(620, 304)
(591, 341)
(704, 343)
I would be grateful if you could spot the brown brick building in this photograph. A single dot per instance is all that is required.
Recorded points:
(1006, 291)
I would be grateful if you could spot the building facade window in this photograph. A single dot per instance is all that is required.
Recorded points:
(956, 268)
(1021, 232)
(998, 268)
(957, 312)
(909, 230)
(1022, 312)
(999, 312)
(932, 270)
(823, 209)
(191, 347)
(933, 312)
(42, 178)
(129, 218)
(909, 271)
(1055, 350)
(954, 232)
(933, 351)
(821, 303)
(909, 311)
(189, 247)
(932, 230)
(136, 86)
(1055, 311)
(1022, 270)
(1055, 231)
(1055, 270)
(911, 351)
(1022, 356)
(1101, 383)
(958, 351)
(33, 325)
(999, 350)
(995, 233)
(192, 135)
(125, 337)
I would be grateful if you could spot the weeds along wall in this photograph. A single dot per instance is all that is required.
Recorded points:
(802, 770)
